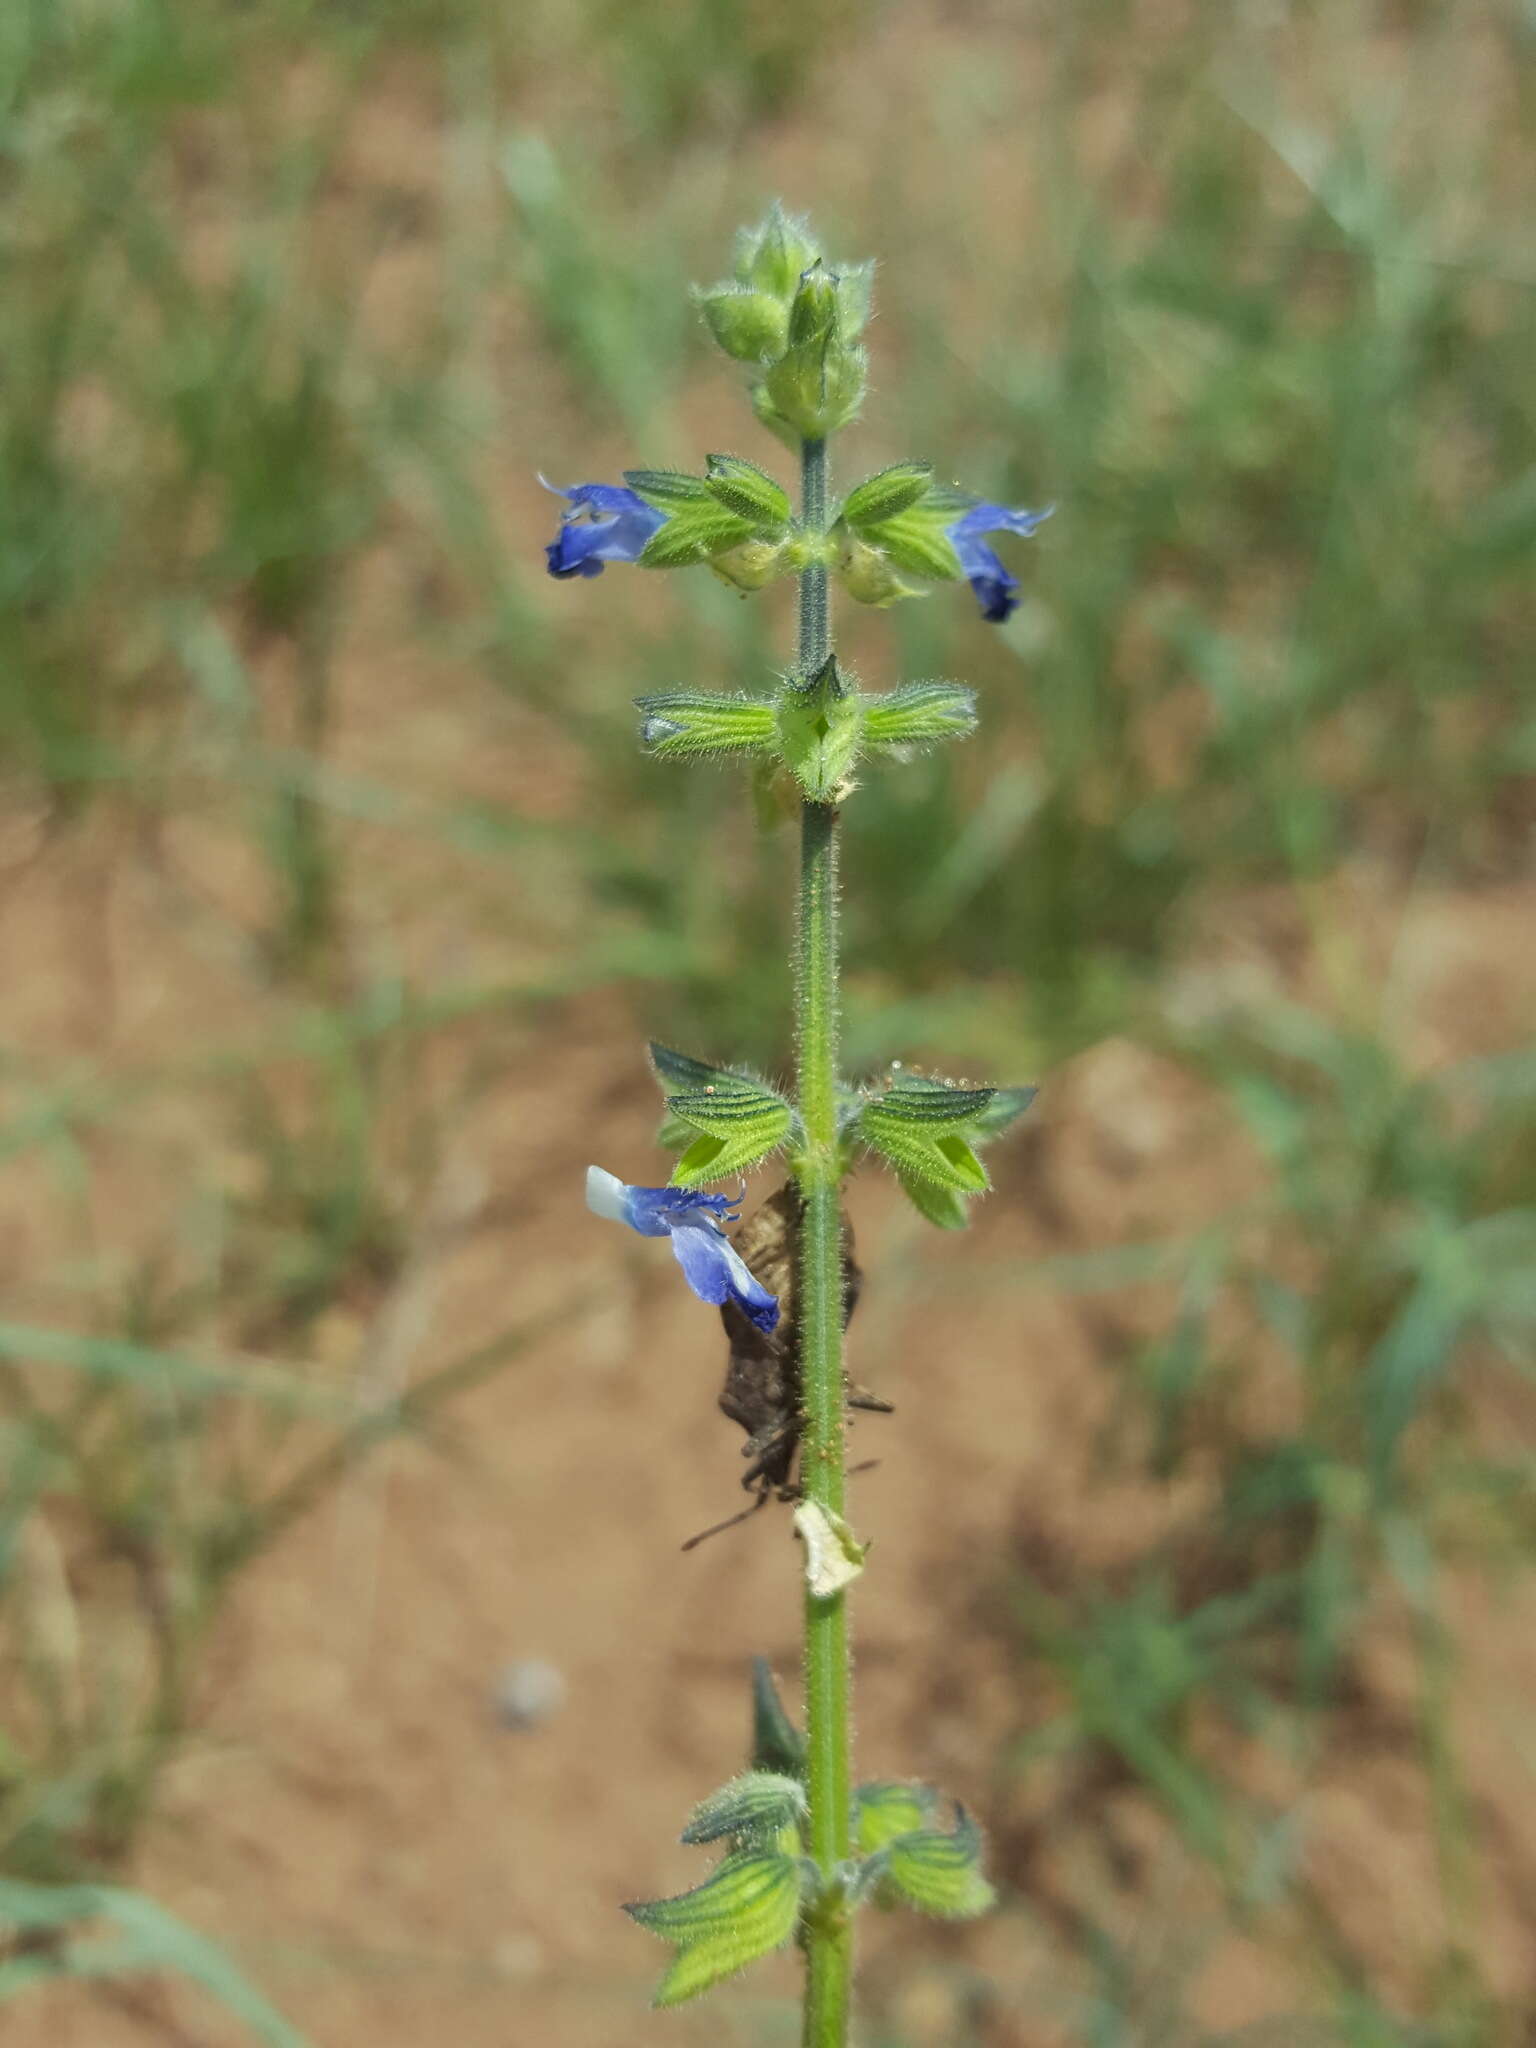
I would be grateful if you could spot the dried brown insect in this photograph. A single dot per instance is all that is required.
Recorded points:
(762, 1377)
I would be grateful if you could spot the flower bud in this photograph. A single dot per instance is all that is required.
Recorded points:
(771, 256)
(818, 386)
(751, 326)
(813, 315)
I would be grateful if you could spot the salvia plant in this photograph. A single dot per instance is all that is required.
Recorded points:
(802, 1848)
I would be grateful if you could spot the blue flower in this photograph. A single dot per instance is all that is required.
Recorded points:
(993, 585)
(711, 1265)
(603, 523)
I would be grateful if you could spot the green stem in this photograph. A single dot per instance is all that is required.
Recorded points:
(819, 1281)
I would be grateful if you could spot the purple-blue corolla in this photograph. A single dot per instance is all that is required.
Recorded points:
(711, 1265)
(602, 523)
(995, 588)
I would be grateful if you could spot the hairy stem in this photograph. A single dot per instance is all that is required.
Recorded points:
(828, 1932)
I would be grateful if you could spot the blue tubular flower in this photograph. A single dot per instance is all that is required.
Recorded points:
(711, 1265)
(993, 585)
(604, 523)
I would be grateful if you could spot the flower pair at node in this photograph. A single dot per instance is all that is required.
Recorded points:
(933, 533)
(711, 1265)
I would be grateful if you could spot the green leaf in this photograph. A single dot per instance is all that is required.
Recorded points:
(883, 1811)
(939, 1873)
(693, 533)
(747, 1906)
(667, 489)
(741, 487)
(919, 713)
(145, 1939)
(684, 724)
(756, 1805)
(777, 1744)
(942, 1206)
(886, 493)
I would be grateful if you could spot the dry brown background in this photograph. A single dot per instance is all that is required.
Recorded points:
(344, 1809)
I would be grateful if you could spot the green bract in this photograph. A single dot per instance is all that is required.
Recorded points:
(818, 726)
(753, 1809)
(728, 1120)
(928, 1130)
(683, 724)
(883, 1811)
(818, 729)
(741, 487)
(777, 1744)
(937, 1873)
(886, 493)
(916, 714)
(745, 1908)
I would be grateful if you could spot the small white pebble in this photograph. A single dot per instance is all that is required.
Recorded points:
(528, 1692)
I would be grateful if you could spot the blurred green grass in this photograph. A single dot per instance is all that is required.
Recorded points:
(294, 299)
